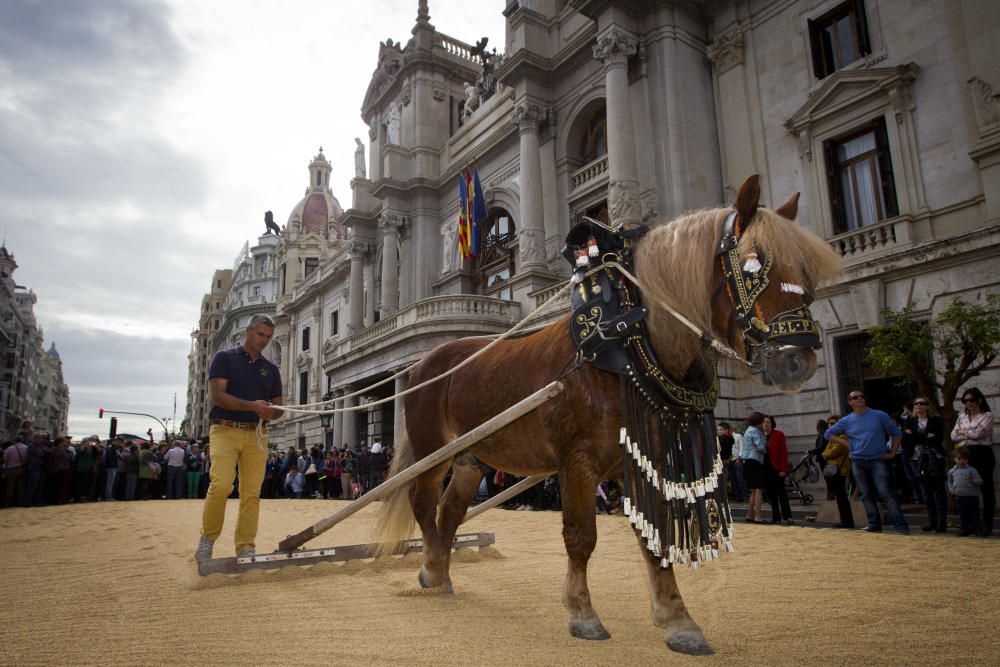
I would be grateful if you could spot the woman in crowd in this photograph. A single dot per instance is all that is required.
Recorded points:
(193, 472)
(130, 468)
(86, 467)
(752, 453)
(974, 429)
(146, 456)
(923, 433)
(331, 485)
(347, 470)
(775, 469)
(837, 470)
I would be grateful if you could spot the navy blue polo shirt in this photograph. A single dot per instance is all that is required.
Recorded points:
(249, 380)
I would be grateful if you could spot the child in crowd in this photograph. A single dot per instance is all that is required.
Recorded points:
(964, 482)
(293, 483)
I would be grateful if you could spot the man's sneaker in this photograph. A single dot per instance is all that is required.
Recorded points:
(247, 553)
(204, 550)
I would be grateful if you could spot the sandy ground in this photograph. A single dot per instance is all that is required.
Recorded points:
(117, 584)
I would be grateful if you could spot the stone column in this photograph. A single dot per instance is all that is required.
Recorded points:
(614, 48)
(355, 314)
(398, 423)
(390, 264)
(349, 434)
(528, 117)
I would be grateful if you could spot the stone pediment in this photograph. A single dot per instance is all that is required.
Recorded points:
(845, 89)
(304, 359)
(390, 62)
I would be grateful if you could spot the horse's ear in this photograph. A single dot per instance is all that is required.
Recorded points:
(747, 199)
(790, 208)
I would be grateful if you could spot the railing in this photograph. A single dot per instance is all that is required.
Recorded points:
(494, 315)
(589, 172)
(455, 47)
(548, 293)
(871, 239)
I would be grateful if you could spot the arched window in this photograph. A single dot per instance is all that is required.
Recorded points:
(494, 257)
(594, 143)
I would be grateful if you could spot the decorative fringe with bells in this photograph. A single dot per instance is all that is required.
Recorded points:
(674, 493)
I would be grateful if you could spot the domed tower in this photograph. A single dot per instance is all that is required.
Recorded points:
(314, 231)
(318, 212)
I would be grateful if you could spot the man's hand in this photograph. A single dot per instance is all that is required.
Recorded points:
(265, 411)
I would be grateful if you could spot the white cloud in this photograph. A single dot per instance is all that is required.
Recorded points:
(141, 143)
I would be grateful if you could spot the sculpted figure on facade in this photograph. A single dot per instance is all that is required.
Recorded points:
(532, 246)
(449, 250)
(392, 125)
(359, 159)
(471, 100)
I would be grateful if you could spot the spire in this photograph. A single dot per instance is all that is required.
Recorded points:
(423, 13)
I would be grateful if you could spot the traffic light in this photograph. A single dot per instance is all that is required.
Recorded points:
(100, 413)
(114, 428)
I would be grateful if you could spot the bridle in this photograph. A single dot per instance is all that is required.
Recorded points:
(745, 284)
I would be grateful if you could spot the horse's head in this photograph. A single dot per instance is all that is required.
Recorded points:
(767, 270)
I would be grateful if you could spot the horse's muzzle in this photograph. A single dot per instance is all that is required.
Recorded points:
(787, 368)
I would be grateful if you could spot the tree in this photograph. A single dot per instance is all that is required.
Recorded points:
(938, 355)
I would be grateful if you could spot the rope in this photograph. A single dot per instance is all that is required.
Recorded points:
(517, 327)
(711, 340)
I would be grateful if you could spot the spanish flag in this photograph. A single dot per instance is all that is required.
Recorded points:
(471, 211)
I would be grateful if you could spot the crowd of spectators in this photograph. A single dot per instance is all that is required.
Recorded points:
(892, 460)
(886, 460)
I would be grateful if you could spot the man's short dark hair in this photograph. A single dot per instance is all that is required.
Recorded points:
(725, 425)
(260, 318)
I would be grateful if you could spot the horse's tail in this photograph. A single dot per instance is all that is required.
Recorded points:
(395, 521)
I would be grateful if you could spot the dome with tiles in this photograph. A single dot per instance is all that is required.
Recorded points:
(318, 212)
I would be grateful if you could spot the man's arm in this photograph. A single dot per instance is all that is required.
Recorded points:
(895, 447)
(223, 399)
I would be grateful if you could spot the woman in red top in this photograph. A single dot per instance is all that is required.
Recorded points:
(776, 467)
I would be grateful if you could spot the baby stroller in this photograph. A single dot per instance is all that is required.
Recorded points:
(806, 470)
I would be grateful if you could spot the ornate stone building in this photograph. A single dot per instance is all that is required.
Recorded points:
(203, 348)
(882, 114)
(31, 384)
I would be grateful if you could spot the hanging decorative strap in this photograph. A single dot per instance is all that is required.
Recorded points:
(674, 492)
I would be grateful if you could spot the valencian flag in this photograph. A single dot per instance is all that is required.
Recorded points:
(471, 211)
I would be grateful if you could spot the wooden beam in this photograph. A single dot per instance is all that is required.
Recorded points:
(404, 477)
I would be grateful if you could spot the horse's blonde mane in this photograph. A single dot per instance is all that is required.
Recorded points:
(676, 259)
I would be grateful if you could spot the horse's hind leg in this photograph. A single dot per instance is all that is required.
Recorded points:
(682, 634)
(465, 477)
(580, 537)
(424, 500)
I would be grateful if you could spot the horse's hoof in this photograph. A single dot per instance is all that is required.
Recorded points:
(689, 642)
(588, 630)
(425, 583)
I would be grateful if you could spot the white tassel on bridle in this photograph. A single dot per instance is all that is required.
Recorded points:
(752, 265)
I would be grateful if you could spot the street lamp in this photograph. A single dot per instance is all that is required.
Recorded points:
(326, 419)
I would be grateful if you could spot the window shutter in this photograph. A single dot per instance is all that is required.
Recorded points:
(861, 27)
(816, 47)
(833, 183)
(888, 182)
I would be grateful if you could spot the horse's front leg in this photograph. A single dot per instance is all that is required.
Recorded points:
(580, 537)
(682, 634)
(424, 498)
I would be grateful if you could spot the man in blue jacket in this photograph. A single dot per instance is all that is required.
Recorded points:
(866, 431)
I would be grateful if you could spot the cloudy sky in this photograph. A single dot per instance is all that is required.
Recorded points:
(141, 142)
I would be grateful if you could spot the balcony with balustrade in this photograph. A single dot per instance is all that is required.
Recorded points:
(415, 330)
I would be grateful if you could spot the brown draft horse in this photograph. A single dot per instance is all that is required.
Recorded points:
(576, 434)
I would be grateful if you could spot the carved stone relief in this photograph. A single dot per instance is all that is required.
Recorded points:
(985, 102)
(726, 52)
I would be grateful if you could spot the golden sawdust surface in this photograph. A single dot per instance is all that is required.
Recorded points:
(116, 584)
